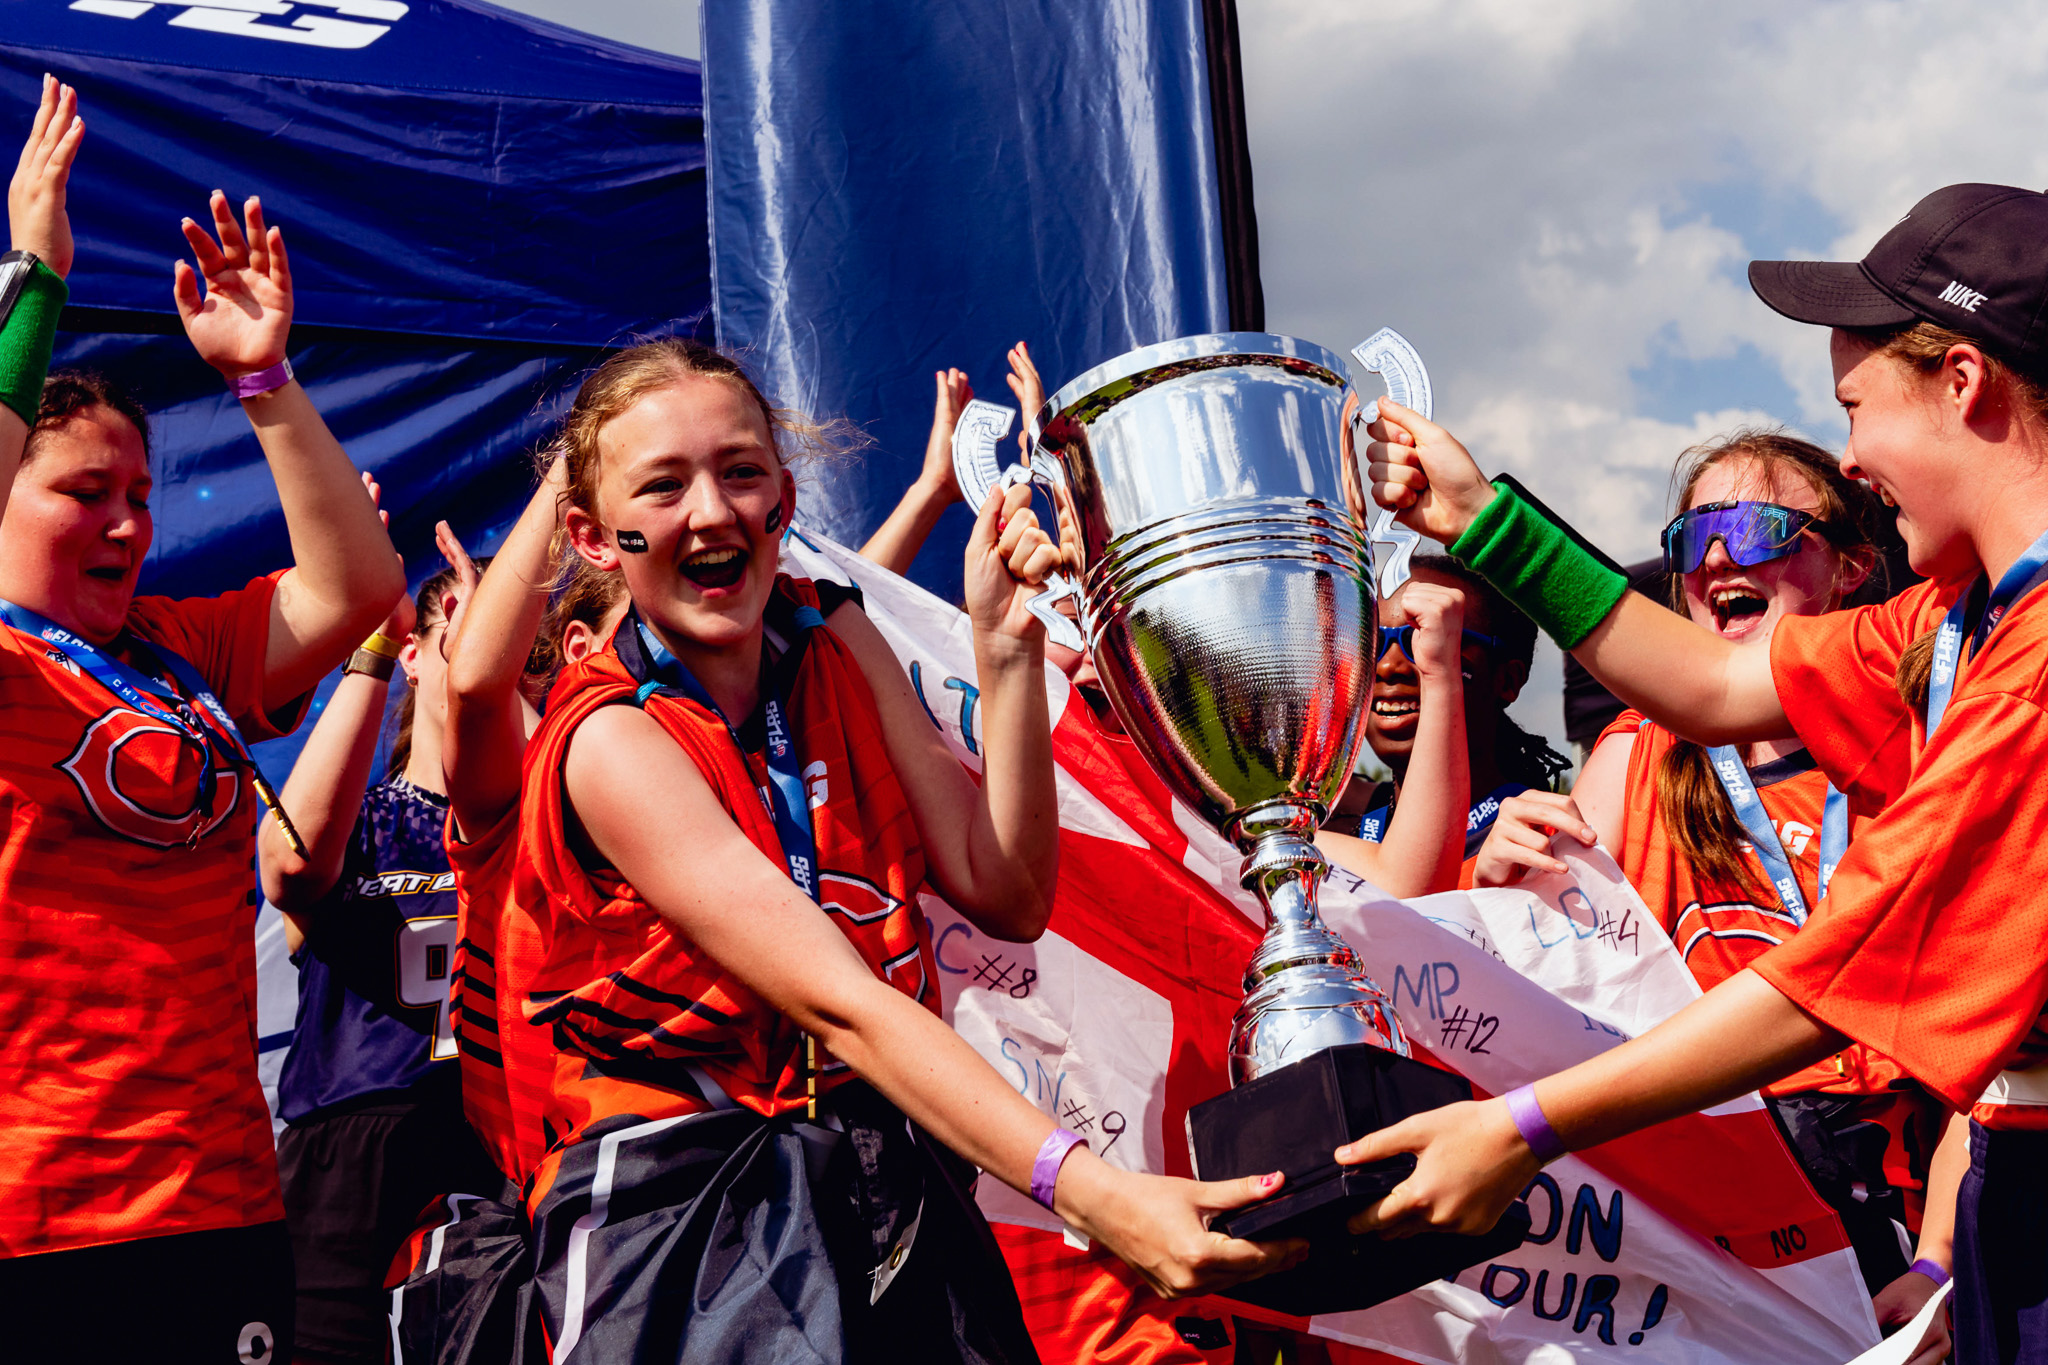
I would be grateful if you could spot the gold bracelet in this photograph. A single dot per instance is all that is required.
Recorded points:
(371, 664)
(382, 645)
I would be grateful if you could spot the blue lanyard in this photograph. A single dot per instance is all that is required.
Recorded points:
(1372, 826)
(1770, 851)
(787, 802)
(151, 696)
(2023, 577)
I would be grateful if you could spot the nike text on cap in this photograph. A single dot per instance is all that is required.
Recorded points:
(1972, 258)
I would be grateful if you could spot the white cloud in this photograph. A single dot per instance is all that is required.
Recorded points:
(1557, 204)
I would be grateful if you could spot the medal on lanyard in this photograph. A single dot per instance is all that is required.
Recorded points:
(2028, 573)
(787, 803)
(153, 698)
(1770, 851)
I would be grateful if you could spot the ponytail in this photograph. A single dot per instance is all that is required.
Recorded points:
(1916, 668)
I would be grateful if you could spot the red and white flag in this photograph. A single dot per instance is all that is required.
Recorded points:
(1698, 1240)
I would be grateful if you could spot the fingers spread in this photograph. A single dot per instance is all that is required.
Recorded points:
(259, 239)
(280, 267)
(234, 247)
(211, 261)
(185, 290)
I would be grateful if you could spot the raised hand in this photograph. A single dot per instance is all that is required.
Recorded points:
(1008, 558)
(403, 617)
(246, 317)
(953, 394)
(1030, 392)
(36, 219)
(1420, 471)
(1438, 615)
(1520, 838)
(466, 579)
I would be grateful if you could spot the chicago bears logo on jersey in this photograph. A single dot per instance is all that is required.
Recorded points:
(140, 777)
(861, 903)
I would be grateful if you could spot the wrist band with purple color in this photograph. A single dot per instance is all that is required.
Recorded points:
(1932, 1271)
(1045, 1172)
(262, 382)
(1534, 1128)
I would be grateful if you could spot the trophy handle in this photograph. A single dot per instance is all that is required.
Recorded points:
(979, 468)
(1395, 360)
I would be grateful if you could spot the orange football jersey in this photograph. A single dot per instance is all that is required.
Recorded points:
(637, 1014)
(129, 1101)
(507, 1063)
(1931, 947)
(1721, 929)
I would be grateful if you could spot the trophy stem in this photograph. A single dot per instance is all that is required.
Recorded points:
(1306, 988)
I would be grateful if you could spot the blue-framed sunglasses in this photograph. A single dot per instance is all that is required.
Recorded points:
(1753, 532)
(1404, 636)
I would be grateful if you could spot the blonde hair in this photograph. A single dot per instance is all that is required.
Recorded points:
(627, 377)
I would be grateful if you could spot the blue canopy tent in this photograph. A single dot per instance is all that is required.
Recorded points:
(475, 203)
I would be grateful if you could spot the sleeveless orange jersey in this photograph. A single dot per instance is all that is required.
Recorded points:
(1932, 945)
(129, 1101)
(632, 1007)
(507, 1064)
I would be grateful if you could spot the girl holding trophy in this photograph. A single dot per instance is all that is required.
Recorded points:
(753, 1039)
(1925, 711)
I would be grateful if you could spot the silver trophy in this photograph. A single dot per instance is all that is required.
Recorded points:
(1227, 593)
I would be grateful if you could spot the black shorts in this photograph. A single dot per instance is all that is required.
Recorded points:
(354, 1184)
(2001, 1295)
(208, 1298)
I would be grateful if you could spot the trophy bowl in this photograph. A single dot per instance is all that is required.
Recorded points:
(1226, 595)
(1227, 598)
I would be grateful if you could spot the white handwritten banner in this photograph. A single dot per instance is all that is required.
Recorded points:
(1696, 1241)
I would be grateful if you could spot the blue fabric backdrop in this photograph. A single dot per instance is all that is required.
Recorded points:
(474, 203)
(898, 189)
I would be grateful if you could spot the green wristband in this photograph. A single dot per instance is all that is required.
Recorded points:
(1541, 566)
(26, 339)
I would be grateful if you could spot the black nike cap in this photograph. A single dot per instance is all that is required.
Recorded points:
(1972, 258)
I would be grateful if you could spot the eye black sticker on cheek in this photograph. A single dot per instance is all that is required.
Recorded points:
(632, 542)
(774, 522)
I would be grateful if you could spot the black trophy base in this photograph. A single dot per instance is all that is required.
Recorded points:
(1293, 1120)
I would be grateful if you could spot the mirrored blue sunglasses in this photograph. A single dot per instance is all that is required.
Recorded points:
(1753, 532)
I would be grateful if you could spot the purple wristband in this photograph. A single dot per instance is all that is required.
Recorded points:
(1928, 1268)
(1045, 1172)
(262, 382)
(1534, 1128)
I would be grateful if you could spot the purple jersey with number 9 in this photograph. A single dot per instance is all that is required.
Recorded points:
(375, 969)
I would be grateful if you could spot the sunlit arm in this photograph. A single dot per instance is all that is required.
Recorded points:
(992, 850)
(323, 797)
(1424, 846)
(488, 719)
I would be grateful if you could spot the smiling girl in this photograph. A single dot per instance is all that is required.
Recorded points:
(1927, 711)
(1768, 528)
(728, 816)
(135, 1147)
